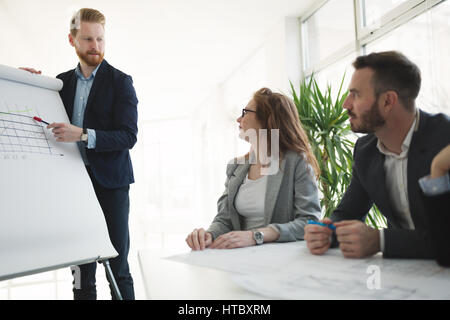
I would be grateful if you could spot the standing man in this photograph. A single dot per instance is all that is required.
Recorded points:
(397, 151)
(102, 106)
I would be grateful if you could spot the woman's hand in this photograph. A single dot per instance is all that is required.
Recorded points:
(199, 239)
(234, 239)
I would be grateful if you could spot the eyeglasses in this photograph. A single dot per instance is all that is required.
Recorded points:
(244, 111)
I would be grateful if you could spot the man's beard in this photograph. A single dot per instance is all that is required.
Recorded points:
(370, 120)
(89, 59)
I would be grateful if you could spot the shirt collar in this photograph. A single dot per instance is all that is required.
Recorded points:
(405, 144)
(81, 76)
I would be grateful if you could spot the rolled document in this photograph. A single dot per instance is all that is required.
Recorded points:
(37, 80)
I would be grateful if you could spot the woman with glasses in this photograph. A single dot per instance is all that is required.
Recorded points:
(271, 192)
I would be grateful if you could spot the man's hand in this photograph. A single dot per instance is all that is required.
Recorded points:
(65, 132)
(441, 163)
(31, 70)
(199, 239)
(356, 239)
(234, 239)
(318, 238)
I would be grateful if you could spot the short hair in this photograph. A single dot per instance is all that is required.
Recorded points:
(85, 15)
(393, 71)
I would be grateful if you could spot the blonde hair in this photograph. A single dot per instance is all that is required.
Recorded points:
(85, 15)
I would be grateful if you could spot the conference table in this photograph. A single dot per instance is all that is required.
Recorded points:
(288, 271)
(165, 279)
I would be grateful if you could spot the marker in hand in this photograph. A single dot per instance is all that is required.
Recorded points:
(40, 120)
(331, 226)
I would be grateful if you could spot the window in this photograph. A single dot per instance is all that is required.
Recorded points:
(417, 28)
(331, 28)
(422, 41)
(374, 10)
(332, 75)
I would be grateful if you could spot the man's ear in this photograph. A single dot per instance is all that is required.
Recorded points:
(71, 40)
(390, 99)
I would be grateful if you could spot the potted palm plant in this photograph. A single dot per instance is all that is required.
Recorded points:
(326, 124)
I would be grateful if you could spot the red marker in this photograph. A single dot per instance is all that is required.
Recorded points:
(40, 120)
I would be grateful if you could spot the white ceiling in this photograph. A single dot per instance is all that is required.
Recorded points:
(177, 51)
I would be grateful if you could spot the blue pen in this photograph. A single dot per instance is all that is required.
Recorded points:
(331, 226)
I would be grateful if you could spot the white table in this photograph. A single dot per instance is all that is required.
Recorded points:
(289, 271)
(170, 280)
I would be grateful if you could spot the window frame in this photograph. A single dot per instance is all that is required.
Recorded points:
(364, 35)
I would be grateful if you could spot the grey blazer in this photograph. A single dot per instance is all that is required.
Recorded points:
(291, 199)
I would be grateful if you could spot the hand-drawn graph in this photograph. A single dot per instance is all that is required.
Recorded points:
(21, 134)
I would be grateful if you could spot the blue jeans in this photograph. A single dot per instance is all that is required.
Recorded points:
(115, 204)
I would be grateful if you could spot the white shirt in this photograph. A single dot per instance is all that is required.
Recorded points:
(396, 169)
(250, 202)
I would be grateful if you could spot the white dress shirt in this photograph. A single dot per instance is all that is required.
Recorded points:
(396, 169)
(82, 91)
(249, 202)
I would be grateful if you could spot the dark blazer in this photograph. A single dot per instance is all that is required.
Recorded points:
(438, 208)
(111, 111)
(368, 186)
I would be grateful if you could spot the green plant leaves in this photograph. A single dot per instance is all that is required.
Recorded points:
(326, 124)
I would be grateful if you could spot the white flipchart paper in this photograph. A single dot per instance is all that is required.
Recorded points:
(49, 214)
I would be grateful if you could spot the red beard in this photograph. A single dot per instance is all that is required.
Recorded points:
(91, 58)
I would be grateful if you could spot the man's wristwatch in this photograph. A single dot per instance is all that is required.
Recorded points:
(258, 236)
(84, 135)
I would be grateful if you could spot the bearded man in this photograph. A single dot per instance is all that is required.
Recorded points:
(101, 104)
(397, 151)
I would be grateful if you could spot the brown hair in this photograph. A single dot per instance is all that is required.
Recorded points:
(393, 71)
(85, 15)
(276, 111)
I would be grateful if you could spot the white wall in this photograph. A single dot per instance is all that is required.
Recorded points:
(195, 65)
(213, 132)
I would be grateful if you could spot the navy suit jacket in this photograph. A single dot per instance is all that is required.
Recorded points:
(439, 218)
(111, 111)
(368, 186)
